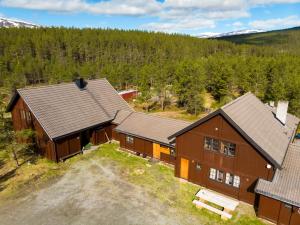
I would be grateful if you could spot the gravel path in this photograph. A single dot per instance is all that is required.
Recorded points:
(90, 193)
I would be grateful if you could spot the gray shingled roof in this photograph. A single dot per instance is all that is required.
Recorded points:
(64, 108)
(286, 182)
(258, 124)
(151, 127)
(121, 116)
(258, 121)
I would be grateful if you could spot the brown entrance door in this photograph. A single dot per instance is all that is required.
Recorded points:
(184, 168)
(285, 214)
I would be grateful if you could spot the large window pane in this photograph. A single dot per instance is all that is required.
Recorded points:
(220, 176)
(229, 179)
(228, 148)
(208, 143)
(212, 173)
(236, 181)
(216, 145)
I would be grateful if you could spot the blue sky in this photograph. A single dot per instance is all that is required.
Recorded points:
(173, 16)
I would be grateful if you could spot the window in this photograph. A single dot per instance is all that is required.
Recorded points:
(22, 114)
(211, 144)
(228, 148)
(212, 173)
(229, 179)
(129, 139)
(220, 176)
(207, 142)
(223, 147)
(198, 166)
(172, 152)
(236, 181)
(215, 145)
(28, 117)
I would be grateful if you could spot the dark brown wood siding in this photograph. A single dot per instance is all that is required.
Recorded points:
(115, 134)
(68, 146)
(101, 134)
(278, 212)
(45, 146)
(139, 145)
(167, 158)
(247, 163)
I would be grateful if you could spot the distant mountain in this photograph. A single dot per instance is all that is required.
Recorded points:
(287, 40)
(232, 33)
(7, 23)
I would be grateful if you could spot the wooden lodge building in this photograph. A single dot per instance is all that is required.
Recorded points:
(244, 150)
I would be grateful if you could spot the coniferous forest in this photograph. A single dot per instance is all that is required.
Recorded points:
(182, 65)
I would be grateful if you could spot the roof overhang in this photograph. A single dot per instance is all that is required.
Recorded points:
(145, 138)
(276, 197)
(12, 101)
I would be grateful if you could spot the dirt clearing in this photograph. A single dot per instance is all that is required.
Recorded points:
(90, 193)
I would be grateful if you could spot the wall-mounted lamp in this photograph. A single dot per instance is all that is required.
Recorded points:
(269, 166)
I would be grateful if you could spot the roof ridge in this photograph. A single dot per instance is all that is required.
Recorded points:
(118, 93)
(237, 99)
(55, 85)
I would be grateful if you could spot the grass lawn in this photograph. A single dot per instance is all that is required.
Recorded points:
(33, 171)
(156, 179)
(159, 181)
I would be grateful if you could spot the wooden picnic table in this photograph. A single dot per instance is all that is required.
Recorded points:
(226, 203)
(217, 199)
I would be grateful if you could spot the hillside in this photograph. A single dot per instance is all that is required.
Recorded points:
(163, 67)
(287, 40)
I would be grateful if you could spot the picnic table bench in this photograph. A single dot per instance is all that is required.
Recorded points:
(224, 202)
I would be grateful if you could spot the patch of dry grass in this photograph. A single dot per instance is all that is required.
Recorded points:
(32, 172)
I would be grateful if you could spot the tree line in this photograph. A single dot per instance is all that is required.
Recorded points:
(181, 65)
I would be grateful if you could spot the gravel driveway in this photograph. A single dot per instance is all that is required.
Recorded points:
(92, 192)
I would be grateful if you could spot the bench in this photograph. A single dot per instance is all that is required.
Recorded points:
(223, 214)
(226, 203)
(223, 201)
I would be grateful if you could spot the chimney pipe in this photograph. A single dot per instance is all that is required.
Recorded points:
(81, 83)
(281, 111)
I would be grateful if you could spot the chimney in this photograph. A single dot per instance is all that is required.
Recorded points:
(81, 83)
(281, 111)
(272, 104)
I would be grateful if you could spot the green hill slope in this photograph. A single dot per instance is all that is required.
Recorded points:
(287, 40)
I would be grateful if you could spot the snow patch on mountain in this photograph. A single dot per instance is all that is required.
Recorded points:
(7, 23)
(232, 33)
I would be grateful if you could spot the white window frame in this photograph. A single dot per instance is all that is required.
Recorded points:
(229, 179)
(219, 172)
(212, 173)
(236, 181)
(129, 139)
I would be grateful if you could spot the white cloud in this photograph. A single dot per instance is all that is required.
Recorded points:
(238, 24)
(113, 7)
(267, 2)
(290, 21)
(176, 26)
(172, 15)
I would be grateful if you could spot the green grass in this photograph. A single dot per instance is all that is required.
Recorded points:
(159, 181)
(156, 179)
(32, 172)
